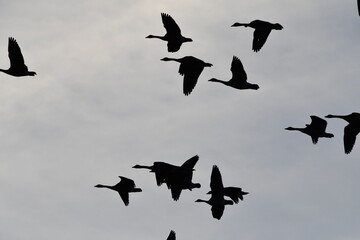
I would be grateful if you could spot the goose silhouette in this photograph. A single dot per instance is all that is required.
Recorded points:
(351, 130)
(180, 178)
(17, 63)
(190, 68)
(261, 33)
(316, 129)
(171, 235)
(216, 200)
(124, 187)
(163, 170)
(239, 77)
(173, 34)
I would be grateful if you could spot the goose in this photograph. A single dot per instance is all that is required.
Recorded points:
(171, 235)
(162, 169)
(124, 187)
(235, 193)
(180, 178)
(316, 129)
(173, 34)
(17, 64)
(190, 68)
(351, 130)
(358, 5)
(239, 77)
(261, 33)
(216, 200)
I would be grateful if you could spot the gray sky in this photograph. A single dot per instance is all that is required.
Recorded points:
(103, 101)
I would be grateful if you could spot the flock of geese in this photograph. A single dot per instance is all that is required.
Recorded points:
(178, 178)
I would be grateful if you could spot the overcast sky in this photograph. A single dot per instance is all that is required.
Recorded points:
(103, 101)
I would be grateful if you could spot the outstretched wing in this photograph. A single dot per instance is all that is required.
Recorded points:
(259, 39)
(318, 124)
(191, 69)
(126, 182)
(238, 71)
(216, 183)
(190, 163)
(170, 25)
(217, 211)
(171, 235)
(15, 56)
(350, 133)
(125, 197)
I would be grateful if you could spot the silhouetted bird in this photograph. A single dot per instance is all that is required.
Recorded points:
(17, 64)
(171, 235)
(239, 77)
(261, 33)
(190, 68)
(180, 178)
(161, 170)
(351, 130)
(124, 187)
(173, 34)
(235, 193)
(358, 5)
(315, 129)
(217, 200)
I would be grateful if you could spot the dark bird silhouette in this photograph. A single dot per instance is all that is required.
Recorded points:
(171, 235)
(173, 34)
(162, 169)
(216, 200)
(316, 129)
(235, 193)
(190, 68)
(124, 187)
(239, 77)
(358, 5)
(351, 130)
(180, 178)
(17, 64)
(261, 33)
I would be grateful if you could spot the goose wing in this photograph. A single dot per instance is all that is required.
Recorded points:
(170, 25)
(125, 197)
(350, 132)
(15, 56)
(238, 71)
(171, 235)
(191, 69)
(126, 183)
(259, 39)
(318, 124)
(190, 163)
(216, 183)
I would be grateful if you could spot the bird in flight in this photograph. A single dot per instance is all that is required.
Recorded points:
(261, 33)
(173, 34)
(124, 187)
(190, 68)
(316, 129)
(216, 200)
(351, 130)
(239, 77)
(17, 63)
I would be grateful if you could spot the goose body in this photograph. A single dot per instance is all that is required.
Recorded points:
(17, 63)
(351, 130)
(261, 33)
(316, 129)
(190, 68)
(216, 200)
(239, 77)
(124, 187)
(173, 34)
(235, 193)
